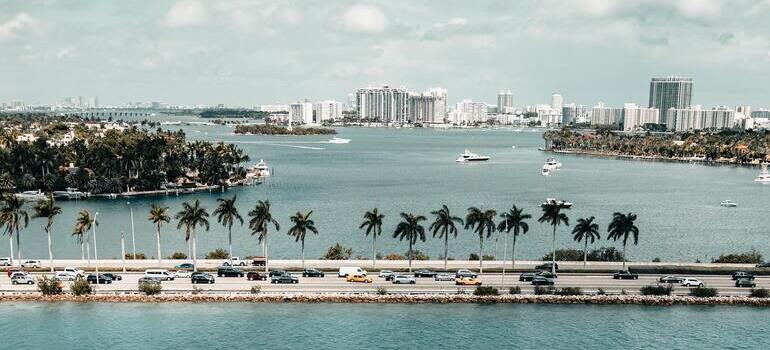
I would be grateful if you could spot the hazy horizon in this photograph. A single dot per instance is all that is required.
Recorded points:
(254, 52)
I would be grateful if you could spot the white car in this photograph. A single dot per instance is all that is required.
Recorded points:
(64, 276)
(22, 278)
(385, 273)
(5, 261)
(183, 274)
(31, 264)
(76, 272)
(404, 279)
(691, 282)
(234, 261)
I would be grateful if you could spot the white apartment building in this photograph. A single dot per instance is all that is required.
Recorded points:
(469, 112)
(557, 102)
(635, 116)
(326, 110)
(699, 119)
(603, 115)
(383, 104)
(301, 112)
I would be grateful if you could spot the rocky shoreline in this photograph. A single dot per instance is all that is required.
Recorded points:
(392, 299)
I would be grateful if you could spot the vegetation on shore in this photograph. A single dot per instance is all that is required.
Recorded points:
(268, 129)
(726, 145)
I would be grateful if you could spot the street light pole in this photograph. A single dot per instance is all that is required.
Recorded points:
(133, 240)
(123, 249)
(96, 254)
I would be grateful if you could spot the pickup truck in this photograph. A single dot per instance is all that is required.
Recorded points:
(234, 261)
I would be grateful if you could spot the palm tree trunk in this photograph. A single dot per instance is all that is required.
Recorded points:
(553, 251)
(194, 255)
(50, 250)
(410, 255)
(88, 250)
(82, 252)
(18, 246)
(481, 253)
(157, 241)
(374, 249)
(10, 240)
(189, 248)
(513, 253)
(230, 238)
(446, 248)
(624, 256)
(303, 254)
(585, 253)
(264, 247)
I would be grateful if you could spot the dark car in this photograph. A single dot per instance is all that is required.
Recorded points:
(546, 266)
(388, 276)
(285, 278)
(312, 273)
(255, 276)
(274, 273)
(102, 279)
(185, 266)
(424, 273)
(225, 271)
(465, 274)
(742, 275)
(526, 276)
(114, 276)
(671, 279)
(542, 281)
(745, 282)
(546, 274)
(625, 275)
(202, 278)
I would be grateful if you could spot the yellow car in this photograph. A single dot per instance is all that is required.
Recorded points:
(359, 278)
(467, 281)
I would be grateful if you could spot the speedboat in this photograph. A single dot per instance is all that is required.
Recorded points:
(31, 195)
(338, 140)
(764, 175)
(546, 170)
(728, 203)
(469, 156)
(552, 162)
(561, 203)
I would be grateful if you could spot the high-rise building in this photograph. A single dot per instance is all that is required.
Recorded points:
(606, 116)
(301, 112)
(699, 119)
(670, 92)
(470, 112)
(385, 104)
(635, 116)
(505, 102)
(428, 106)
(557, 102)
(326, 110)
(577, 114)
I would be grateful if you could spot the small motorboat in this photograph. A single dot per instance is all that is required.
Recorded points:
(728, 203)
(563, 204)
(338, 140)
(469, 156)
(546, 171)
(764, 175)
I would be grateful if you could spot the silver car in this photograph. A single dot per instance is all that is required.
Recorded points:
(444, 277)
(22, 278)
(404, 279)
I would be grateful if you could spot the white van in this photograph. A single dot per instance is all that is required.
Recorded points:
(160, 275)
(5, 261)
(351, 270)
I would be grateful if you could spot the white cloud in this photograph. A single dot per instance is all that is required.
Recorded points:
(699, 8)
(186, 13)
(365, 19)
(66, 52)
(16, 25)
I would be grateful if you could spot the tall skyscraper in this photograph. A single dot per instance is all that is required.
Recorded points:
(557, 102)
(384, 104)
(670, 92)
(505, 102)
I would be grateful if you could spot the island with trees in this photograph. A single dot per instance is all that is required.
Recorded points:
(268, 129)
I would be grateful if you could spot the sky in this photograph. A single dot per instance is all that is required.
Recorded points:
(243, 53)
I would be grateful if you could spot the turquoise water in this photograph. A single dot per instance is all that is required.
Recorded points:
(390, 326)
(414, 170)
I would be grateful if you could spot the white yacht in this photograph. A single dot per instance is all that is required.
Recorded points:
(563, 204)
(259, 170)
(552, 162)
(338, 140)
(728, 203)
(70, 193)
(764, 175)
(32, 195)
(469, 156)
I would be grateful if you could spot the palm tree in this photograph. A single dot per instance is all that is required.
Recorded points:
(479, 221)
(261, 218)
(622, 225)
(192, 216)
(444, 225)
(83, 224)
(584, 230)
(14, 218)
(553, 216)
(373, 224)
(514, 219)
(302, 224)
(158, 215)
(227, 213)
(46, 209)
(411, 229)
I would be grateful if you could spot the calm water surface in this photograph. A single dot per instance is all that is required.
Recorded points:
(391, 326)
(414, 170)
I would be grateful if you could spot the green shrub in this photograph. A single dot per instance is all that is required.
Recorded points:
(418, 255)
(600, 291)
(540, 290)
(178, 256)
(656, 259)
(486, 257)
(150, 288)
(218, 253)
(703, 292)
(656, 290)
(196, 290)
(750, 257)
(599, 254)
(569, 291)
(256, 289)
(394, 257)
(759, 293)
(139, 256)
(485, 290)
(382, 290)
(81, 287)
(49, 286)
(514, 290)
(338, 252)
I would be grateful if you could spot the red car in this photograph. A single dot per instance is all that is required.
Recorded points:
(11, 270)
(255, 276)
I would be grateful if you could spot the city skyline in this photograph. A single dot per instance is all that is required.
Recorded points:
(246, 53)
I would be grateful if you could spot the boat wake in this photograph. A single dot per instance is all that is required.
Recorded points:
(281, 144)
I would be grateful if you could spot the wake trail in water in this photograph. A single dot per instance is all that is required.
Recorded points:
(281, 144)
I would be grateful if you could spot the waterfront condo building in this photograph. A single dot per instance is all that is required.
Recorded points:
(670, 92)
(602, 115)
(326, 110)
(385, 104)
(699, 119)
(635, 116)
(505, 102)
(301, 112)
